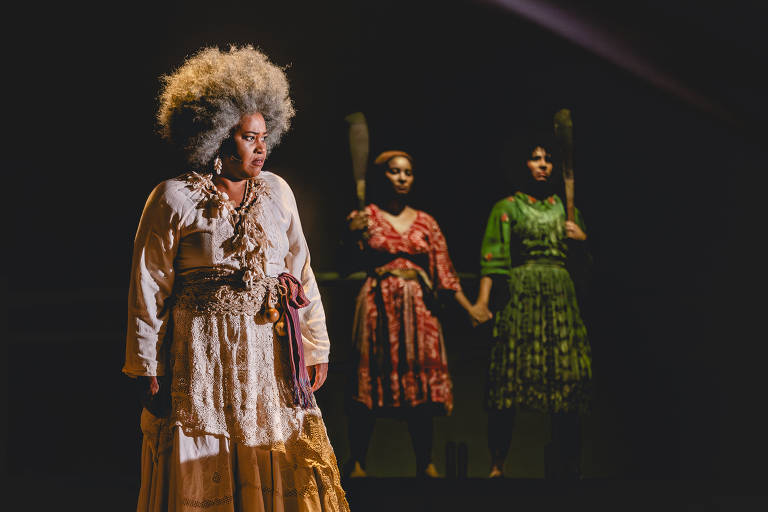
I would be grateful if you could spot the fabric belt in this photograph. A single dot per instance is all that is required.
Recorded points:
(222, 291)
(409, 274)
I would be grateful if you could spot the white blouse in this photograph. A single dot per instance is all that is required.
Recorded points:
(177, 234)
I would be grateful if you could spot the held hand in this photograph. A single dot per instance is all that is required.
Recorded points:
(479, 313)
(317, 374)
(357, 221)
(572, 230)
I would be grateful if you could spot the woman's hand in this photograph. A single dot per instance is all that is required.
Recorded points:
(150, 385)
(572, 230)
(479, 313)
(317, 374)
(158, 404)
(357, 221)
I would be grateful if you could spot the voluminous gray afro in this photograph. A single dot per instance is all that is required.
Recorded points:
(205, 98)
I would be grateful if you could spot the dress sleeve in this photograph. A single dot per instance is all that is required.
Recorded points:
(314, 333)
(152, 277)
(494, 251)
(447, 278)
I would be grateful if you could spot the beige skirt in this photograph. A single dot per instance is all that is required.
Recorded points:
(236, 438)
(213, 473)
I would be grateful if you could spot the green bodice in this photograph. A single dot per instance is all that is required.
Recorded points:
(522, 229)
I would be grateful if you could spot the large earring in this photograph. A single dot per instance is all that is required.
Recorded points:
(217, 164)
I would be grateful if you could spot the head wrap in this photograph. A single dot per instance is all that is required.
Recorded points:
(389, 155)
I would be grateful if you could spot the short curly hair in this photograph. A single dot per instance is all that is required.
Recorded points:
(203, 101)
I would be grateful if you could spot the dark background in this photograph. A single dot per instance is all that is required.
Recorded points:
(671, 188)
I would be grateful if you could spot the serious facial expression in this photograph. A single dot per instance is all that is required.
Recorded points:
(540, 164)
(400, 174)
(250, 138)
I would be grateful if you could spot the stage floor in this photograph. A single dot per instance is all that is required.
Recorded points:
(118, 494)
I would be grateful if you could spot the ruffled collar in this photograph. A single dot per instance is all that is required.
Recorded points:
(532, 200)
(250, 241)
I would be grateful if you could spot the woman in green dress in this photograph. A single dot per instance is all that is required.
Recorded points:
(540, 356)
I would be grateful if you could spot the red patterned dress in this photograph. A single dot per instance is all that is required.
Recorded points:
(399, 347)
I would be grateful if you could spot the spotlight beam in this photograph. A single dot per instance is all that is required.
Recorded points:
(579, 29)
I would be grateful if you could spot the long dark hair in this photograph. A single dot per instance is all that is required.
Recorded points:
(517, 152)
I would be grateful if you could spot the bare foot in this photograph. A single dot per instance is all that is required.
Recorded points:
(431, 471)
(358, 471)
(496, 472)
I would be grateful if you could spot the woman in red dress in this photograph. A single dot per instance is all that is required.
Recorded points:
(399, 351)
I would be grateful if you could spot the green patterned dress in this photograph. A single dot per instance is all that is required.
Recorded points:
(540, 357)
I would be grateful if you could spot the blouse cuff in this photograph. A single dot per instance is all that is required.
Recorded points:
(147, 369)
(313, 357)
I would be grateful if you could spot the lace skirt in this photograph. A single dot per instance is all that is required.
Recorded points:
(234, 422)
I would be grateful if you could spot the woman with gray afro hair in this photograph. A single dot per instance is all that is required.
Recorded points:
(226, 330)
(205, 98)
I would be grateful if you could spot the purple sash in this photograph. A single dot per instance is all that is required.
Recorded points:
(291, 301)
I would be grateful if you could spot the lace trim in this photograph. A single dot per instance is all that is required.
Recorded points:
(208, 502)
(291, 492)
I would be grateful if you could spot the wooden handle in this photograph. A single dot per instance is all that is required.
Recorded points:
(570, 209)
(564, 132)
(358, 149)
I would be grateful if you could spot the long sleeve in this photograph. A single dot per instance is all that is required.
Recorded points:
(495, 257)
(314, 333)
(445, 273)
(152, 278)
